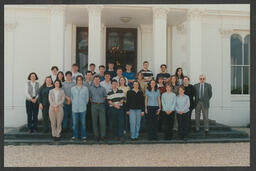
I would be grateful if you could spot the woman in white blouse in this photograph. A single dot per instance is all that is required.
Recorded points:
(56, 99)
(32, 105)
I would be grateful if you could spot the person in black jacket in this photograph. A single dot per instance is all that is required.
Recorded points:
(44, 102)
(190, 91)
(135, 109)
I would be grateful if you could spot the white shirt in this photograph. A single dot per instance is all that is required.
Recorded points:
(56, 94)
(28, 97)
(53, 77)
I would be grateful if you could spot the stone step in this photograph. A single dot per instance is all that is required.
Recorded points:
(90, 142)
(193, 135)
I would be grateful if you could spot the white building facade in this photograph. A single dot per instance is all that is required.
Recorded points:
(209, 39)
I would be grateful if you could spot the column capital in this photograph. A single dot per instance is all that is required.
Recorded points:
(146, 28)
(57, 9)
(160, 11)
(10, 26)
(225, 33)
(94, 10)
(195, 14)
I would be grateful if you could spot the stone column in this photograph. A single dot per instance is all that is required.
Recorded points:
(194, 43)
(159, 37)
(146, 46)
(95, 35)
(226, 67)
(57, 35)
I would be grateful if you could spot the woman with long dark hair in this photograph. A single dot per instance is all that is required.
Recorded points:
(152, 108)
(60, 77)
(179, 75)
(43, 100)
(135, 109)
(32, 106)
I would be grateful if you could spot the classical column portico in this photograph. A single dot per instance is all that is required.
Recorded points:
(95, 35)
(57, 29)
(194, 42)
(159, 37)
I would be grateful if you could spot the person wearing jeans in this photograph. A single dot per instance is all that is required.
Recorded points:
(182, 110)
(168, 104)
(80, 98)
(116, 99)
(135, 107)
(66, 86)
(152, 109)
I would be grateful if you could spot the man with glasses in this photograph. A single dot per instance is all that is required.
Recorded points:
(203, 95)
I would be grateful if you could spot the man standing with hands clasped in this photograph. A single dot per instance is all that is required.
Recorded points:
(203, 96)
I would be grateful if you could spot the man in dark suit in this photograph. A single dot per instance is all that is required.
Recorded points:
(203, 95)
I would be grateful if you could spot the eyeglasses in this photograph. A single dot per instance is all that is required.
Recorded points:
(201, 78)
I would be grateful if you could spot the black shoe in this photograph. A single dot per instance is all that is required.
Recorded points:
(133, 139)
(136, 139)
(121, 140)
(30, 131)
(205, 133)
(104, 139)
(97, 139)
(55, 138)
(58, 138)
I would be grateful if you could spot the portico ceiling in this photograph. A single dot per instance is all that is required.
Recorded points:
(111, 16)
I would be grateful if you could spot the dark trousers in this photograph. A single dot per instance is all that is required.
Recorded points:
(161, 121)
(117, 121)
(152, 122)
(89, 117)
(67, 108)
(108, 117)
(143, 125)
(168, 121)
(189, 120)
(183, 124)
(126, 120)
(32, 114)
(46, 120)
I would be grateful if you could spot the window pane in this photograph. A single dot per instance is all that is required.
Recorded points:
(82, 40)
(83, 62)
(246, 85)
(128, 41)
(82, 49)
(236, 49)
(247, 50)
(236, 78)
(113, 40)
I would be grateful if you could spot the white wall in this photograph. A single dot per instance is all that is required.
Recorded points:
(26, 50)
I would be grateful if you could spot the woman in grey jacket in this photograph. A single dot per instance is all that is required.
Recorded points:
(32, 105)
(56, 99)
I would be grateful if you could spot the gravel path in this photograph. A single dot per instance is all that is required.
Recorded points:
(227, 154)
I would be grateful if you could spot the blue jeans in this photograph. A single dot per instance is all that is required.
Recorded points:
(67, 115)
(32, 113)
(117, 121)
(135, 118)
(75, 124)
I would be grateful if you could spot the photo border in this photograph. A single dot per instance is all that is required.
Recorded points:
(252, 79)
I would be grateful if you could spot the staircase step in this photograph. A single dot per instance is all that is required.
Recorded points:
(89, 142)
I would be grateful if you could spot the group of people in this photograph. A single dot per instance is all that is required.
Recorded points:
(117, 101)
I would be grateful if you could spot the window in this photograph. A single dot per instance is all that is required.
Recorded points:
(82, 49)
(240, 64)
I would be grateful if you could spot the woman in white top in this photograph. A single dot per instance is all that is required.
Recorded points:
(56, 99)
(32, 105)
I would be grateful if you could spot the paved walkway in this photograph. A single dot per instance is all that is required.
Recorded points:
(217, 154)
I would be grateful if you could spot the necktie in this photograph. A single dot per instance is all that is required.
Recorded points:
(201, 91)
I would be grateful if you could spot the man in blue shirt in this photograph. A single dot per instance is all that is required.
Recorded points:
(131, 76)
(98, 95)
(80, 98)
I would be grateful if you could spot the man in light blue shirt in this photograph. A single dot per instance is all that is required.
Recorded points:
(168, 106)
(80, 98)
